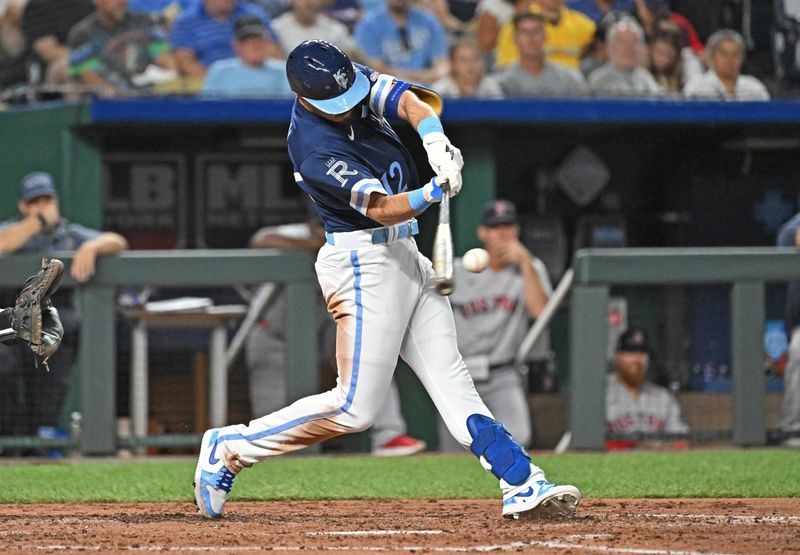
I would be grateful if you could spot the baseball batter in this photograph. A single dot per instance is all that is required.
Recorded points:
(378, 287)
(492, 312)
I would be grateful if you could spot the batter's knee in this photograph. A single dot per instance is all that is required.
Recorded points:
(356, 415)
(358, 421)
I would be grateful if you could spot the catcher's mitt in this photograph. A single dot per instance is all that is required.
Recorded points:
(34, 319)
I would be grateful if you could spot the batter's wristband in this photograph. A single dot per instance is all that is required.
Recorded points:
(431, 124)
(416, 199)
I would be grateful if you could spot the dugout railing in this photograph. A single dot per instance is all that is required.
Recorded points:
(97, 302)
(596, 271)
(746, 270)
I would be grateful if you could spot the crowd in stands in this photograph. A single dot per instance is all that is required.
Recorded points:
(465, 48)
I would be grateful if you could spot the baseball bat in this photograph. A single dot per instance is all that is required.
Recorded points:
(443, 246)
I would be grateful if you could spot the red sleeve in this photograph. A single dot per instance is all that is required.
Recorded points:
(694, 40)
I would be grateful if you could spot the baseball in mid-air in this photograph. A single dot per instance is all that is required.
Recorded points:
(475, 260)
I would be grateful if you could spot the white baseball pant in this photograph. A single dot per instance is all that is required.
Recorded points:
(383, 300)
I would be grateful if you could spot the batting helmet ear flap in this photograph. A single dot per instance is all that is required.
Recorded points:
(429, 97)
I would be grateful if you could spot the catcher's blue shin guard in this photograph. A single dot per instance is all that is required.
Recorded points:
(492, 443)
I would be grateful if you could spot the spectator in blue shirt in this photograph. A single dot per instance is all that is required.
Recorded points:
(251, 74)
(410, 41)
(204, 35)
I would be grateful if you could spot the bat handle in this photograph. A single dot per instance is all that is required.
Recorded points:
(443, 255)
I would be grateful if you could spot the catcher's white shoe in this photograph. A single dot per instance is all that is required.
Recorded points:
(213, 477)
(538, 498)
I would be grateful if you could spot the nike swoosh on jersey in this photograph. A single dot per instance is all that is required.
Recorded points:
(352, 134)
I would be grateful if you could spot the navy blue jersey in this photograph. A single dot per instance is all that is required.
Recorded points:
(340, 165)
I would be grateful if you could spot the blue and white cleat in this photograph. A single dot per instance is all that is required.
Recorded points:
(538, 498)
(212, 479)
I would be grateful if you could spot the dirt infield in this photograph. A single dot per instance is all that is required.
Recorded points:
(647, 527)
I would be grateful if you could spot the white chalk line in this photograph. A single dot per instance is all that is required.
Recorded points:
(468, 549)
(376, 533)
(730, 519)
(563, 545)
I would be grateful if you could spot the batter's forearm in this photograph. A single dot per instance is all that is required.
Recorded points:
(390, 210)
(413, 110)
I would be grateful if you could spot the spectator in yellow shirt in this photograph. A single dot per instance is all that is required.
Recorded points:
(568, 32)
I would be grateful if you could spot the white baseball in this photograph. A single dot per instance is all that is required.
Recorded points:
(475, 260)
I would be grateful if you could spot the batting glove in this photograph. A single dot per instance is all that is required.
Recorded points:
(432, 191)
(445, 159)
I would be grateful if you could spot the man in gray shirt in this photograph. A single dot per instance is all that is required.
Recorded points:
(533, 75)
(635, 406)
(623, 74)
(492, 311)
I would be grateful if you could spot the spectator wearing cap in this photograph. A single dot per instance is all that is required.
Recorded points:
(636, 407)
(724, 80)
(41, 229)
(251, 74)
(533, 75)
(492, 311)
(623, 74)
(568, 33)
(409, 42)
(204, 34)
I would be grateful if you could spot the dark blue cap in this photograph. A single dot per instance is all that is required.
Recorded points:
(324, 76)
(36, 184)
(499, 212)
(634, 340)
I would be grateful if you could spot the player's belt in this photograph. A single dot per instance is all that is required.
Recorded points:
(375, 236)
(504, 364)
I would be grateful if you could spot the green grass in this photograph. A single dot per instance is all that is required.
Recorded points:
(727, 473)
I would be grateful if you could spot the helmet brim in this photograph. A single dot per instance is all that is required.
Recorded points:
(345, 101)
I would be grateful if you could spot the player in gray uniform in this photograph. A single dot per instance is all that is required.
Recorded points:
(789, 236)
(492, 311)
(634, 405)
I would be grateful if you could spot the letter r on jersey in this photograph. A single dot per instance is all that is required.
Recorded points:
(339, 170)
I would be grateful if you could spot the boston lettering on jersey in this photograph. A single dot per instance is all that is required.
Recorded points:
(483, 305)
(636, 422)
(340, 164)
